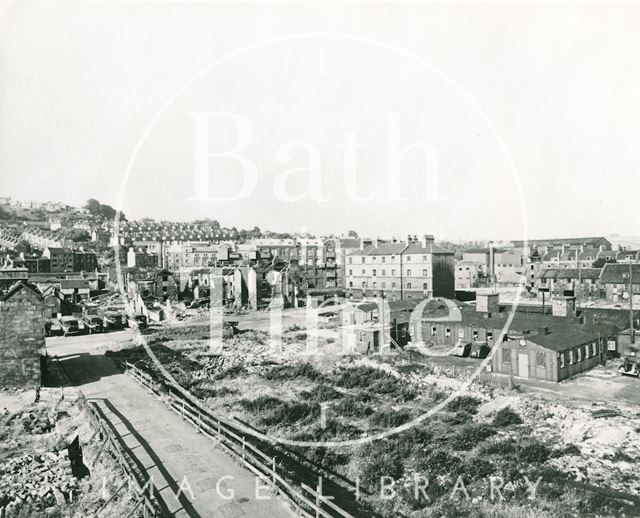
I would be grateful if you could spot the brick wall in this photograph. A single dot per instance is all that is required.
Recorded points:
(21, 339)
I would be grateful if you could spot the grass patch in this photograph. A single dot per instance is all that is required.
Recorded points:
(388, 418)
(467, 404)
(288, 372)
(506, 417)
(471, 435)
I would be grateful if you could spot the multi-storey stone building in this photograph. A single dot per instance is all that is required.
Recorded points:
(401, 270)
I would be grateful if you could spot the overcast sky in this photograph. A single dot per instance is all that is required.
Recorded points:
(522, 117)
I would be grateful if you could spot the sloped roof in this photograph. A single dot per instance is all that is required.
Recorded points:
(417, 248)
(387, 249)
(15, 288)
(71, 284)
(614, 273)
(563, 241)
(570, 273)
(564, 332)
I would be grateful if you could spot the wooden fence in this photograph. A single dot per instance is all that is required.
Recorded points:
(148, 498)
(307, 501)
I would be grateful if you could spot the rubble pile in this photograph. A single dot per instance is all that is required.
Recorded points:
(36, 481)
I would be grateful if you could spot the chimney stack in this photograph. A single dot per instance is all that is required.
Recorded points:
(408, 239)
(426, 240)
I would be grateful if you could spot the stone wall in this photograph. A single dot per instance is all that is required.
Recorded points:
(21, 338)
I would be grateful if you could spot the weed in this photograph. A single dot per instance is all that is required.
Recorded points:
(320, 393)
(287, 372)
(506, 417)
(390, 418)
(468, 404)
(534, 452)
(470, 435)
(352, 407)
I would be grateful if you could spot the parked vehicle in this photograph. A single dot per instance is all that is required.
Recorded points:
(70, 326)
(140, 320)
(462, 349)
(93, 324)
(630, 366)
(479, 350)
(52, 327)
(113, 320)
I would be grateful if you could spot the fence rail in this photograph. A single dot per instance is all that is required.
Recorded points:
(148, 502)
(307, 501)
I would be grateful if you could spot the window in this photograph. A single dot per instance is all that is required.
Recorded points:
(489, 336)
(424, 273)
(408, 258)
(434, 330)
(384, 259)
(384, 285)
(363, 259)
(593, 349)
(460, 333)
(373, 259)
(408, 273)
(408, 285)
(570, 357)
(447, 331)
(586, 351)
(562, 360)
(363, 270)
(393, 284)
(364, 284)
(384, 273)
(350, 272)
(374, 284)
(424, 258)
(540, 359)
(393, 273)
(475, 334)
(350, 260)
(374, 273)
(425, 286)
(350, 284)
(506, 355)
(579, 354)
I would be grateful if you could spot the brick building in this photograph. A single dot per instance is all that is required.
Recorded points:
(22, 341)
(536, 343)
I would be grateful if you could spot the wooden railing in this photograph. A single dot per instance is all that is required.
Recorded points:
(148, 499)
(307, 501)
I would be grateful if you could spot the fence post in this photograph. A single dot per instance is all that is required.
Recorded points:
(243, 446)
(318, 493)
(273, 470)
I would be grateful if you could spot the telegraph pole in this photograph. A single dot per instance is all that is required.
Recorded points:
(631, 330)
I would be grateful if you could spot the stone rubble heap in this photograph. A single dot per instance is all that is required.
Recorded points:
(36, 481)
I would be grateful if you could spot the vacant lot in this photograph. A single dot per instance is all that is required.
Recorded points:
(480, 455)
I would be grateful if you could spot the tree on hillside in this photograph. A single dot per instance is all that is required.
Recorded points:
(78, 236)
(100, 210)
(352, 233)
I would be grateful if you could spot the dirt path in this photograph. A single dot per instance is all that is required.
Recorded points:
(163, 445)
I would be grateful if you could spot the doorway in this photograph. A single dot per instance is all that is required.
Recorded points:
(523, 365)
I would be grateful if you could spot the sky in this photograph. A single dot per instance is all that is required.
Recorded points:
(464, 120)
